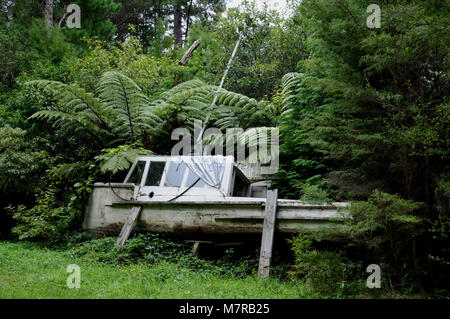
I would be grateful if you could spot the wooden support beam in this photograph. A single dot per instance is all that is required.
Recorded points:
(196, 248)
(129, 225)
(268, 233)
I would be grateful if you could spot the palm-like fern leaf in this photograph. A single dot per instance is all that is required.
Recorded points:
(117, 159)
(195, 99)
(75, 108)
(129, 107)
(291, 84)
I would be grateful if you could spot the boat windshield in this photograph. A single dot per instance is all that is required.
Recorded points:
(155, 174)
(137, 173)
(176, 173)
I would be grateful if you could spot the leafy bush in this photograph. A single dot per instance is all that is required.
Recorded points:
(148, 248)
(56, 215)
(329, 272)
(18, 161)
(384, 220)
(152, 74)
(386, 226)
(153, 248)
(46, 221)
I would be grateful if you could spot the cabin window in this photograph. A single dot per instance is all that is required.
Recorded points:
(136, 175)
(191, 178)
(155, 173)
(175, 174)
(240, 188)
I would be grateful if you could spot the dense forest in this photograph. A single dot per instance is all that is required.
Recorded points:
(363, 115)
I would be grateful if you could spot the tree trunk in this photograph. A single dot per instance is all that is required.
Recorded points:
(177, 24)
(48, 14)
(188, 20)
(416, 260)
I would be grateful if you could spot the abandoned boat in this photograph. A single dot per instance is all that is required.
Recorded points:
(205, 194)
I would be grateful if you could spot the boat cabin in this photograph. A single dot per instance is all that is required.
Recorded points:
(196, 194)
(205, 176)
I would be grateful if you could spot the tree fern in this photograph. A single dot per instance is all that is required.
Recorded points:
(130, 108)
(120, 113)
(74, 108)
(193, 101)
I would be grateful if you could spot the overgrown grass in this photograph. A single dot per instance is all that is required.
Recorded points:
(30, 271)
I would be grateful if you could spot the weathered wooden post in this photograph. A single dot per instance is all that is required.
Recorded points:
(129, 225)
(268, 233)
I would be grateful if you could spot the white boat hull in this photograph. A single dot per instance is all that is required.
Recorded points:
(109, 207)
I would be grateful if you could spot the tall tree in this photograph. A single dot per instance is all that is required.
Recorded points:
(48, 13)
(380, 107)
(177, 23)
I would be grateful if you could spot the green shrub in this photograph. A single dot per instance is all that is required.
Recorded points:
(236, 267)
(46, 221)
(148, 248)
(329, 272)
(389, 226)
(151, 248)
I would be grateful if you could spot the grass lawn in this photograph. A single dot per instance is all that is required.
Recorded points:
(27, 271)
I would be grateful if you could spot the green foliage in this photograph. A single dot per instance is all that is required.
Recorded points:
(46, 221)
(152, 74)
(120, 158)
(120, 113)
(151, 248)
(76, 108)
(384, 110)
(329, 272)
(390, 228)
(59, 205)
(382, 217)
(130, 108)
(270, 48)
(440, 230)
(95, 20)
(301, 163)
(21, 44)
(193, 100)
(19, 163)
(369, 111)
(313, 194)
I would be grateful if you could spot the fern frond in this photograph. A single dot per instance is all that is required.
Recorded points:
(291, 83)
(129, 107)
(70, 122)
(73, 99)
(120, 158)
(256, 138)
(69, 170)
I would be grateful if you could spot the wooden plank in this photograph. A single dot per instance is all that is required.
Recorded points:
(129, 225)
(196, 248)
(268, 233)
